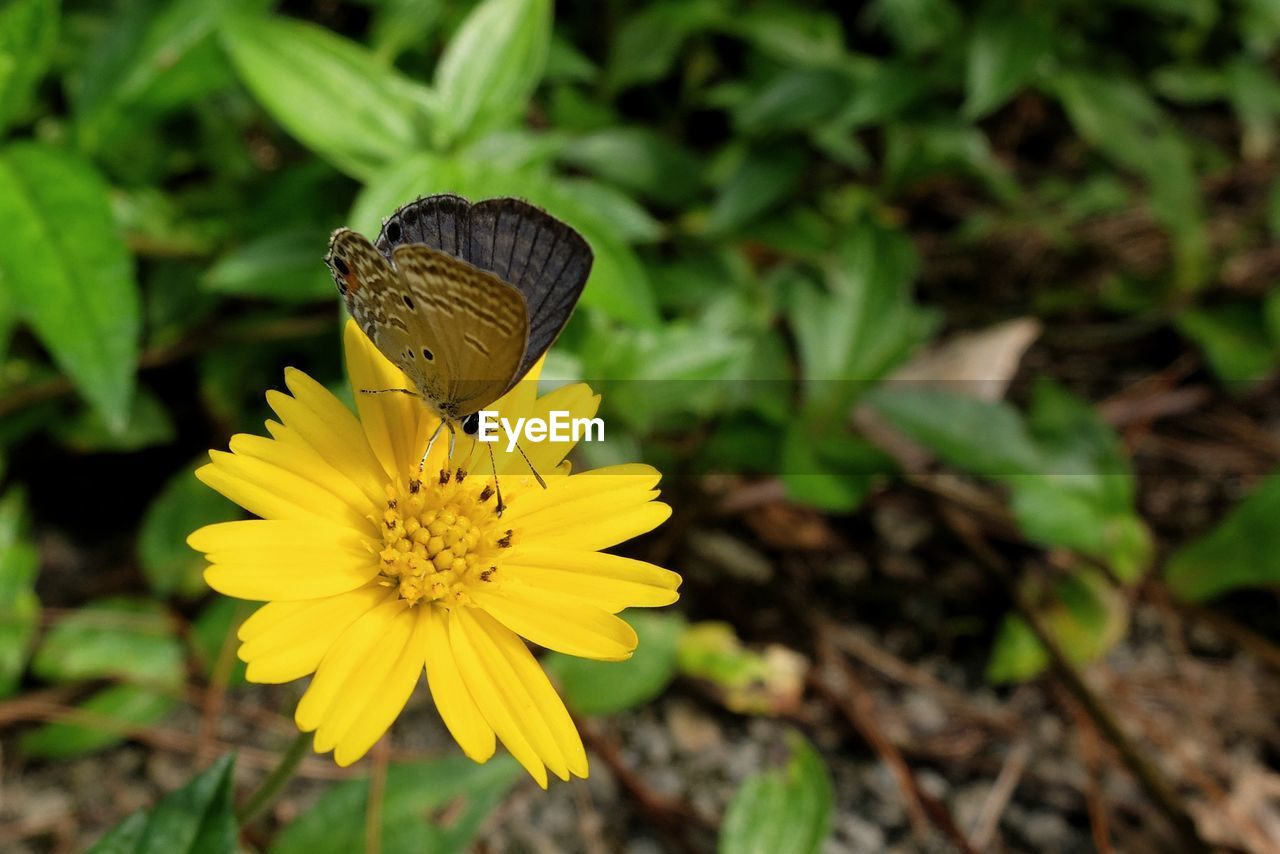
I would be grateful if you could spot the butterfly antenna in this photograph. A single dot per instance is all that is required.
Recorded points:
(497, 488)
(529, 463)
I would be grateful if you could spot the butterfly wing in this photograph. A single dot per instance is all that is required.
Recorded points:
(546, 260)
(468, 330)
(368, 285)
(456, 331)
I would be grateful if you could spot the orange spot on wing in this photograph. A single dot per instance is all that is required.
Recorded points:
(353, 284)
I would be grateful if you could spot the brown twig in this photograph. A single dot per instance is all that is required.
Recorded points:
(216, 694)
(1151, 778)
(888, 664)
(671, 815)
(856, 704)
(984, 829)
(1091, 754)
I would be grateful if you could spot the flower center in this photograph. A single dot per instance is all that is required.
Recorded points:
(439, 537)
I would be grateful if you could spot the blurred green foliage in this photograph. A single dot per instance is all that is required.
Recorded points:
(750, 176)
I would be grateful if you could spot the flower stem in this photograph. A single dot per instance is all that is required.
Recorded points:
(270, 788)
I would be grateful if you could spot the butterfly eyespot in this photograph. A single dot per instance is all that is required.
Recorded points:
(341, 266)
(394, 233)
(408, 301)
(428, 355)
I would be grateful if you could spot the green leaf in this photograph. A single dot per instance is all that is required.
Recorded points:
(791, 34)
(149, 424)
(117, 638)
(284, 266)
(785, 811)
(413, 793)
(916, 152)
(1235, 340)
(103, 720)
(865, 321)
(1007, 43)
(28, 34)
(983, 437)
(491, 67)
(764, 177)
(1116, 115)
(67, 269)
(403, 24)
(649, 41)
(328, 92)
(918, 26)
(1242, 551)
(183, 505)
(1085, 497)
(19, 605)
(1070, 481)
(145, 52)
(1255, 94)
(196, 819)
(639, 160)
(826, 466)
(607, 687)
(613, 210)
(794, 100)
(1082, 612)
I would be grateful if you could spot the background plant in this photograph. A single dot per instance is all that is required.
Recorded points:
(789, 203)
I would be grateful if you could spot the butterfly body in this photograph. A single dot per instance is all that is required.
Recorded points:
(462, 297)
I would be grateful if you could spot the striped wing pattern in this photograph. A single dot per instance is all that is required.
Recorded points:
(523, 245)
(458, 332)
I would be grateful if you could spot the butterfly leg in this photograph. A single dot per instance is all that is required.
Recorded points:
(431, 444)
(407, 391)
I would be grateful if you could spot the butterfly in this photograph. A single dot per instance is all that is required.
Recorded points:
(463, 298)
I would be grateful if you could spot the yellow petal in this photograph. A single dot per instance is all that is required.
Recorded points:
(283, 641)
(607, 581)
(484, 637)
(288, 575)
(453, 701)
(272, 492)
(362, 687)
(510, 721)
(388, 699)
(535, 683)
(328, 426)
(302, 460)
(585, 530)
(389, 420)
(250, 534)
(603, 485)
(355, 648)
(551, 621)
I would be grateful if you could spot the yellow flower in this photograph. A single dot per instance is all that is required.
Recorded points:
(371, 576)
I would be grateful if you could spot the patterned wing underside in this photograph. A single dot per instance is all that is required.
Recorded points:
(523, 245)
(456, 331)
